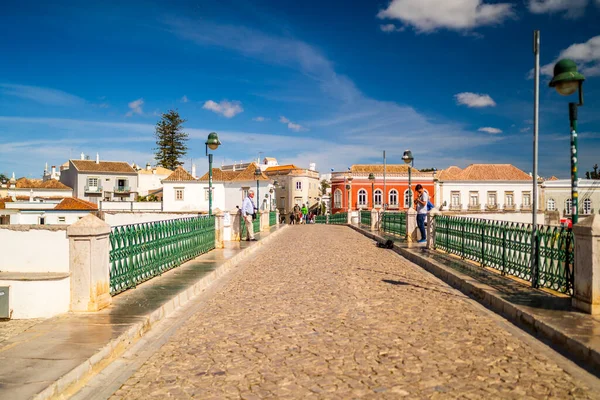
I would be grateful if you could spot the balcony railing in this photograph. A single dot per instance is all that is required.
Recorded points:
(93, 189)
(491, 207)
(474, 207)
(525, 206)
(455, 207)
(510, 207)
(122, 189)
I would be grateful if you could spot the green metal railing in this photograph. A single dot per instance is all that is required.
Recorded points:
(365, 218)
(142, 251)
(506, 247)
(321, 219)
(394, 223)
(339, 218)
(255, 226)
(272, 218)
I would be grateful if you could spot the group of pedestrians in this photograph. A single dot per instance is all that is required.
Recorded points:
(301, 215)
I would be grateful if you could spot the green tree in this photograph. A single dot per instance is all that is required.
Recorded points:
(3, 178)
(324, 186)
(171, 140)
(593, 174)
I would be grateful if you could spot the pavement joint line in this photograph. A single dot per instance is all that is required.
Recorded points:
(73, 380)
(570, 346)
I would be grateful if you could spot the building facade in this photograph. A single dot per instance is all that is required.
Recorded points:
(486, 188)
(96, 181)
(183, 192)
(150, 179)
(44, 212)
(352, 189)
(295, 186)
(557, 197)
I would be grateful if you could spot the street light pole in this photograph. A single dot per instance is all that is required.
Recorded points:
(567, 81)
(213, 143)
(408, 159)
(372, 179)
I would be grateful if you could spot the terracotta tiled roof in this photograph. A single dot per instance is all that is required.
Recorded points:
(270, 159)
(552, 178)
(103, 166)
(71, 203)
(180, 175)
(24, 183)
(490, 172)
(233, 176)
(449, 173)
(389, 168)
(280, 168)
(159, 171)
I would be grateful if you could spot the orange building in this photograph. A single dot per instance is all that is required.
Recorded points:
(353, 190)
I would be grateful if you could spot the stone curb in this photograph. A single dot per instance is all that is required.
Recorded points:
(119, 345)
(570, 346)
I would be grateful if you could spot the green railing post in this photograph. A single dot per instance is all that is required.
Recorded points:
(483, 244)
(502, 270)
(462, 242)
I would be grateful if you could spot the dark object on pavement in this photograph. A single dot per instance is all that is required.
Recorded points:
(389, 244)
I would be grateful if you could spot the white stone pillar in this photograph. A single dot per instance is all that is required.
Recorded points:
(264, 220)
(277, 217)
(411, 225)
(89, 248)
(374, 219)
(430, 230)
(587, 265)
(349, 219)
(219, 230)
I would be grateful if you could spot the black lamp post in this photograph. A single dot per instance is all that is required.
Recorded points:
(408, 158)
(567, 81)
(257, 175)
(211, 143)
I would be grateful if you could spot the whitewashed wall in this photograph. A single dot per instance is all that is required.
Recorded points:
(127, 218)
(51, 217)
(193, 199)
(38, 299)
(148, 182)
(130, 205)
(233, 193)
(465, 188)
(42, 192)
(34, 249)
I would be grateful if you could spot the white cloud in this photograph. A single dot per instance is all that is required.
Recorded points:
(135, 107)
(391, 28)
(225, 108)
(574, 8)
(493, 131)
(524, 130)
(292, 126)
(184, 99)
(475, 100)
(586, 55)
(429, 15)
(41, 95)
(259, 119)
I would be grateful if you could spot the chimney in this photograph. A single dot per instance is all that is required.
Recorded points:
(31, 195)
(46, 169)
(82, 156)
(194, 171)
(53, 170)
(312, 166)
(97, 158)
(148, 167)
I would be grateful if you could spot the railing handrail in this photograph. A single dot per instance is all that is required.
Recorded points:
(163, 220)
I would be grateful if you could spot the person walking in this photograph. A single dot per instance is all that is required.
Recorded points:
(247, 212)
(421, 203)
(305, 213)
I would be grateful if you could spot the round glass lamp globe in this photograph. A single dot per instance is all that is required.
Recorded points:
(213, 146)
(567, 88)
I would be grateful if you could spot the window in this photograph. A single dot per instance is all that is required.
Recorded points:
(298, 185)
(509, 199)
(378, 197)
(587, 206)
(62, 220)
(455, 199)
(474, 199)
(491, 198)
(206, 194)
(337, 199)
(179, 194)
(568, 206)
(245, 191)
(92, 182)
(393, 197)
(526, 199)
(406, 198)
(550, 205)
(42, 221)
(362, 197)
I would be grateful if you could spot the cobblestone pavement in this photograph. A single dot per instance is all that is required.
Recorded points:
(321, 312)
(12, 327)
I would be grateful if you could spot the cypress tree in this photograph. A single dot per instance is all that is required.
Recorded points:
(170, 140)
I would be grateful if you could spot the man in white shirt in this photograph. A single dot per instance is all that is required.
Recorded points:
(421, 203)
(247, 211)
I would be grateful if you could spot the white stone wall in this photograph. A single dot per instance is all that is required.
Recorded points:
(130, 205)
(34, 249)
(127, 218)
(232, 194)
(192, 198)
(51, 217)
(38, 299)
(148, 182)
(41, 192)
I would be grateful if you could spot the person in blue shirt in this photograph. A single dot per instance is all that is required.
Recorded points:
(421, 203)
(248, 209)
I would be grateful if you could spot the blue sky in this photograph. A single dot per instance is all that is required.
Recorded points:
(332, 82)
